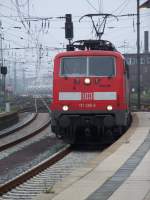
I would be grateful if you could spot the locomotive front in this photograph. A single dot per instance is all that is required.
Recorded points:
(90, 95)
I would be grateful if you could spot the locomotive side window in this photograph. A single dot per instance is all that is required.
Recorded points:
(73, 66)
(101, 66)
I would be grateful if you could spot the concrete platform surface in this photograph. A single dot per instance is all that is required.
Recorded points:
(121, 172)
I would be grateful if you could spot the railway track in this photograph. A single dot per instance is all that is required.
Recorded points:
(26, 121)
(56, 168)
(57, 172)
(12, 151)
(35, 170)
(30, 104)
(63, 165)
(20, 158)
(49, 172)
(22, 135)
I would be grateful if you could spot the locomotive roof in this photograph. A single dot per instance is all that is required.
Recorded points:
(89, 53)
(91, 45)
(91, 48)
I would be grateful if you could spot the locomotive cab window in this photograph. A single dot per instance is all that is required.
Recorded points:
(74, 66)
(99, 66)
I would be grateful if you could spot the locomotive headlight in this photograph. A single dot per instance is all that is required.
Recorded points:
(65, 108)
(87, 81)
(109, 107)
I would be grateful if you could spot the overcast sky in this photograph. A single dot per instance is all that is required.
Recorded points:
(122, 33)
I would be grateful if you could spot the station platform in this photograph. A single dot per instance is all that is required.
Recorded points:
(121, 172)
(8, 119)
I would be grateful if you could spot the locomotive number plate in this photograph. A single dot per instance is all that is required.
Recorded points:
(87, 105)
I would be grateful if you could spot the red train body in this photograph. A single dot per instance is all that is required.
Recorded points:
(90, 94)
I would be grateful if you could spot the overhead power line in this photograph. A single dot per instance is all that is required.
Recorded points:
(5, 6)
(92, 5)
(123, 4)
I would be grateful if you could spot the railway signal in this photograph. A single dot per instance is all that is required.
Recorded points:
(69, 27)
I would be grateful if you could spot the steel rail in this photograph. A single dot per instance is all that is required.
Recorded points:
(35, 132)
(21, 125)
(34, 171)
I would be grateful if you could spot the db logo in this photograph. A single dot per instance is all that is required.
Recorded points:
(87, 96)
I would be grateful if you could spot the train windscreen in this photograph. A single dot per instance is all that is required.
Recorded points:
(101, 66)
(88, 66)
(73, 66)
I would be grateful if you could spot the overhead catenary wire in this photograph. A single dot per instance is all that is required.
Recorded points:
(17, 36)
(21, 16)
(15, 6)
(100, 6)
(23, 4)
(46, 23)
(122, 4)
(58, 18)
(55, 18)
(14, 42)
(91, 5)
(8, 17)
(121, 17)
(125, 6)
(6, 6)
(19, 13)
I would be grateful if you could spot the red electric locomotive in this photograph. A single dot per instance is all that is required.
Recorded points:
(90, 92)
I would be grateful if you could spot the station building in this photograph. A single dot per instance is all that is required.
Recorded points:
(131, 60)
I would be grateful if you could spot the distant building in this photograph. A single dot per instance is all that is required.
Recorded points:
(131, 60)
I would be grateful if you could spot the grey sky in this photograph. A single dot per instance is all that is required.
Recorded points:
(122, 33)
